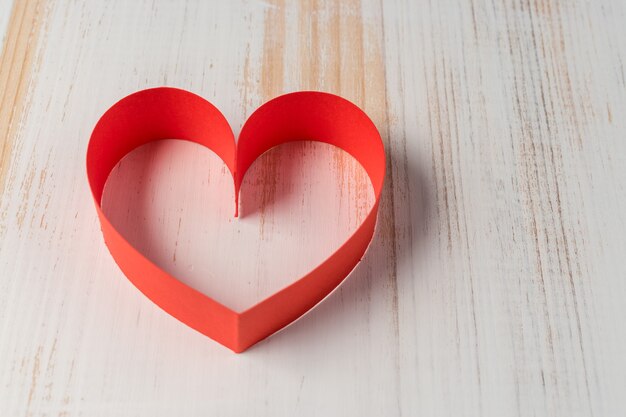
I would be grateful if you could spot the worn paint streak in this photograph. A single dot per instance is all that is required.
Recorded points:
(16, 69)
(272, 68)
(272, 79)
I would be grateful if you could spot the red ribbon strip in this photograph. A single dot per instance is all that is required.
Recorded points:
(166, 113)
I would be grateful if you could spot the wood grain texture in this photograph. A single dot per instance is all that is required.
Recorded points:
(495, 282)
(20, 26)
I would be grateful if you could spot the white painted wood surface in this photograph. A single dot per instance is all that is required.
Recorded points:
(5, 12)
(496, 282)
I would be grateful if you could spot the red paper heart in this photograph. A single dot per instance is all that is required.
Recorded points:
(166, 113)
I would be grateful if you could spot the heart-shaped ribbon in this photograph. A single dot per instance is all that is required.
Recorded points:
(169, 113)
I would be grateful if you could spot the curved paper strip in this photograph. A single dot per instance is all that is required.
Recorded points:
(166, 113)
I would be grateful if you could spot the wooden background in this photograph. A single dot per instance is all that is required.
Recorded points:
(495, 285)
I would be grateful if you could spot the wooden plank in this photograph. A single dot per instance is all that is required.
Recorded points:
(494, 285)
